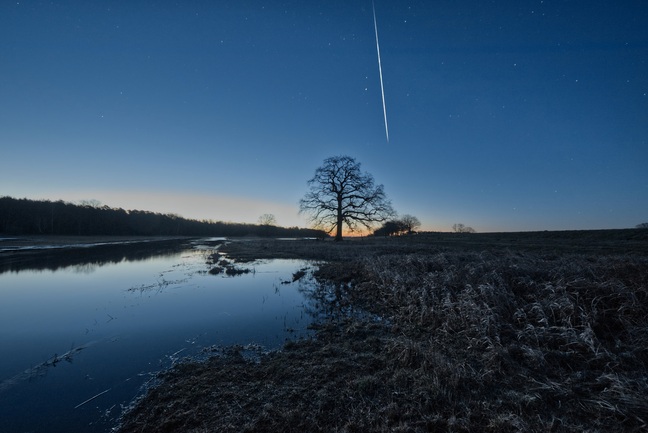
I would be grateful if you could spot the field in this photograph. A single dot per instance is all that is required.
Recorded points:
(533, 332)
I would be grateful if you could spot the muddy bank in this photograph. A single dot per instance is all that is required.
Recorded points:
(426, 337)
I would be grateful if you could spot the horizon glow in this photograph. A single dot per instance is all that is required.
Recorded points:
(503, 117)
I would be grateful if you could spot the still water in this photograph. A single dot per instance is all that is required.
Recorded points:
(79, 341)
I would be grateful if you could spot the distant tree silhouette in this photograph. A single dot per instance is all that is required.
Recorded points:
(340, 193)
(460, 228)
(396, 227)
(410, 223)
(90, 203)
(390, 228)
(642, 226)
(267, 225)
(267, 219)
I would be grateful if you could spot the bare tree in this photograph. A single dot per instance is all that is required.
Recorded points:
(341, 194)
(410, 223)
(267, 219)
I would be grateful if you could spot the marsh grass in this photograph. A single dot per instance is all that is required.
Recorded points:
(451, 339)
(520, 340)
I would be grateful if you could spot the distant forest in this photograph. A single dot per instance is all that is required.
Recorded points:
(44, 217)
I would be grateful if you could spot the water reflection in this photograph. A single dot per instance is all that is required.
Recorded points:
(80, 334)
(87, 259)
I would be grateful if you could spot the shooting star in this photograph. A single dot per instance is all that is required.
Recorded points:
(382, 88)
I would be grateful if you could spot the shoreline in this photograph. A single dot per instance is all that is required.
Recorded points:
(18, 243)
(463, 337)
(605, 241)
(53, 252)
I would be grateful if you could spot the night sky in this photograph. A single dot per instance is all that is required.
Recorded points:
(503, 116)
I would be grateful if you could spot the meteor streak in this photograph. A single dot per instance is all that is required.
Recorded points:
(382, 88)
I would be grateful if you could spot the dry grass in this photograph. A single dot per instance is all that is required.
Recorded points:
(456, 339)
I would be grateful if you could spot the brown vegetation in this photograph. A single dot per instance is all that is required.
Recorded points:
(425, 336)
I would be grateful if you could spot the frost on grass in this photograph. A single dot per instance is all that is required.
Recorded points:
(488, 340)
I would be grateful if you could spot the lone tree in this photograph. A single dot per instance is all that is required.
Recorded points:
(341, 194)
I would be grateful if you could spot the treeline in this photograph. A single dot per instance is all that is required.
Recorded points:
(44, 217)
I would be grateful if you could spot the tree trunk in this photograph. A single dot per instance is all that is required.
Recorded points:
(338, 231)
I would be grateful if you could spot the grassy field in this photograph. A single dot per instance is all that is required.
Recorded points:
(533, 332)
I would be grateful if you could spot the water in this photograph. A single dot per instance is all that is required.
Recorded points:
(80, 338)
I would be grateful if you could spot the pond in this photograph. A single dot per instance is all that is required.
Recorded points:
(80, 338)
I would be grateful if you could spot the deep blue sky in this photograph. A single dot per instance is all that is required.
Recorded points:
(525, 115)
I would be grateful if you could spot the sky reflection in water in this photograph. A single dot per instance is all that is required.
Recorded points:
(123, 321)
